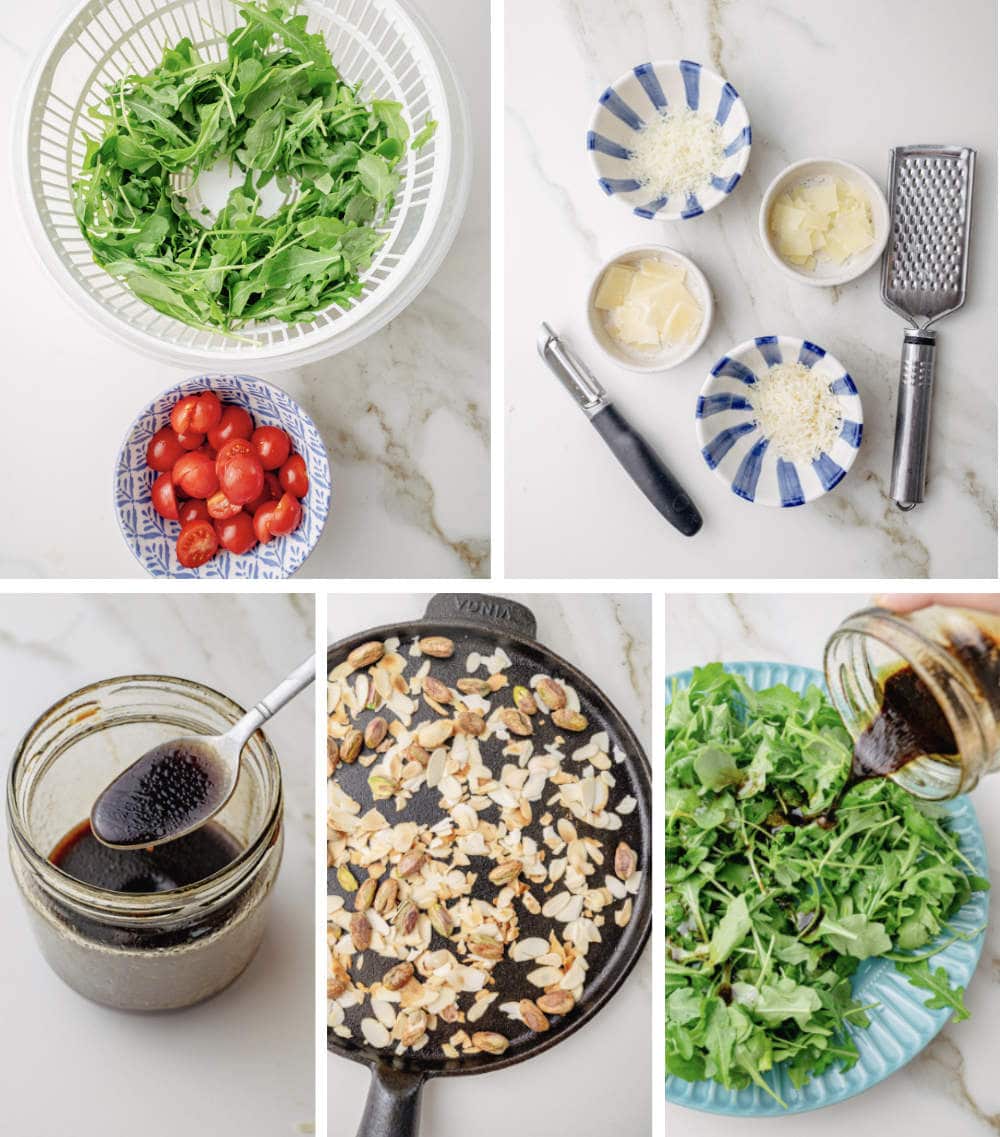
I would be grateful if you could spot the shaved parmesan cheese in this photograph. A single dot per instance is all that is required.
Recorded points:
(796, 411)
(822, 221)
(647, 306)
(678, 152)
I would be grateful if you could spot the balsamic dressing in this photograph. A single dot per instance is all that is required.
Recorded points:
(169, 789)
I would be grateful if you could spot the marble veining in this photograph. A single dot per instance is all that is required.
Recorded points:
(951, 1087)
(809, 87)
(608, 638)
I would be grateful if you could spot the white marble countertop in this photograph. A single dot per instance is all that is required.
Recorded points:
(71, 1066)
(608, 638)
(848, 80)
(952, 1087)
(405, 415)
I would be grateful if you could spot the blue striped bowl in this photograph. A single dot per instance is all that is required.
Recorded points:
(734, 447)
(901, 1024)
(635, 99)
(152, 539)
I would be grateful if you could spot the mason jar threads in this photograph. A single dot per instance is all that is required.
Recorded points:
(920, 695)
(140, 950)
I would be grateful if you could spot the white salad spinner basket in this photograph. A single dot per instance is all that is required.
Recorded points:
(379, 43)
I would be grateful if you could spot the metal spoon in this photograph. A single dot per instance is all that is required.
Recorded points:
(178, 785)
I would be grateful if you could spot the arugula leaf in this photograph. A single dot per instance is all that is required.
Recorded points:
(944, 994)
(730, 931)
(855, 935)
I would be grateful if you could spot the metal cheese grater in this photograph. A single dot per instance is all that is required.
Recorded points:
(923, 279)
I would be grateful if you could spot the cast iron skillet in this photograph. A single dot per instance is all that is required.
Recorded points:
(482, 623)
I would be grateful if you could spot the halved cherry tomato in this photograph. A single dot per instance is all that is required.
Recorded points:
(270, 492)
(190, 441)
(197, 543)
(193, 510)
(241, 476)
(272, 446)
(220, 507)
(237, 533)
(164, 498)
(163, 450)
(294, 476)
(286, 517)
(235, 423)
(195, 475)
(262, 521)
(196, 413)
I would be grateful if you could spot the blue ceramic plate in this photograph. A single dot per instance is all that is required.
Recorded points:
(732, 443)
(639, 96)
(152, 539)
(901, 1026)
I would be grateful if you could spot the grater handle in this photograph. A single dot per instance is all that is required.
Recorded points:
(913, 419)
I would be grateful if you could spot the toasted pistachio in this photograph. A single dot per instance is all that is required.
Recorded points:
(437, 690)
(332, 755)
(406, 917)
(345, 878)
(366, 654)
(532, 1016)
(381, 786)
(569, 720)
(439, 646)
(350, 747)
(625, 861)
(551, 694)
(556, 1003)
(486, 947)
(505, 872)
(441, 920)
(412, 1026)
(490, 1041)
(365, 895)
(515, 721)
(385, 897)
(411, 862)
(433, 734)
(524, 701)
(361, 932)
(470, 686)
(375, 732)
(335, 987)
(467, 722)
(398, 976)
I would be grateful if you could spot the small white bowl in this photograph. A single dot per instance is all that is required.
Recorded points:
(826, 274)
(663, 360)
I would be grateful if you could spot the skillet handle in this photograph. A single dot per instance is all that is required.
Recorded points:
(392, 1108)
(491, 611)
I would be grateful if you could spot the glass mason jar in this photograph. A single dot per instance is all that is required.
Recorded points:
(139, 951)
(956, 654)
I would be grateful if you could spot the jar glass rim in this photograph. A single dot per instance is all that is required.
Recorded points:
(104, 902)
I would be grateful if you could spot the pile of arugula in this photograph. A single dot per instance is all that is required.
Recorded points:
(275, 110)
(766, 921)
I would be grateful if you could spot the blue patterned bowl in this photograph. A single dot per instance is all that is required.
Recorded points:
(635, 99)
(152, 538)
(732, 443)
(901, 1024)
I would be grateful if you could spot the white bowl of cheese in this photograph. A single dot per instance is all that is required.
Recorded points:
(649, 308)
(824, 221)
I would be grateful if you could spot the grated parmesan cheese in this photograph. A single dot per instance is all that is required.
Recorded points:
(678, 152)
(796, 411)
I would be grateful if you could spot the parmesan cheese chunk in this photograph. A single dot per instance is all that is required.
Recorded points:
(648, 306)
(796, 410)
(826, 221)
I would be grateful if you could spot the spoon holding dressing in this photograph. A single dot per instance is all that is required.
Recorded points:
(177, 786)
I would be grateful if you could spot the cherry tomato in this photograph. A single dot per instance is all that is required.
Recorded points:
(270, 492)
(262, 521)
(191, 440)
(163, 450)
(164, 498)
(196, 413)
(237, 533)
(241, 476)
(272, 446)
(287, 516)
(220, 507)
(195, 475)
(193, 510)
(197, 543)
(294, 476)
(235, 423)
